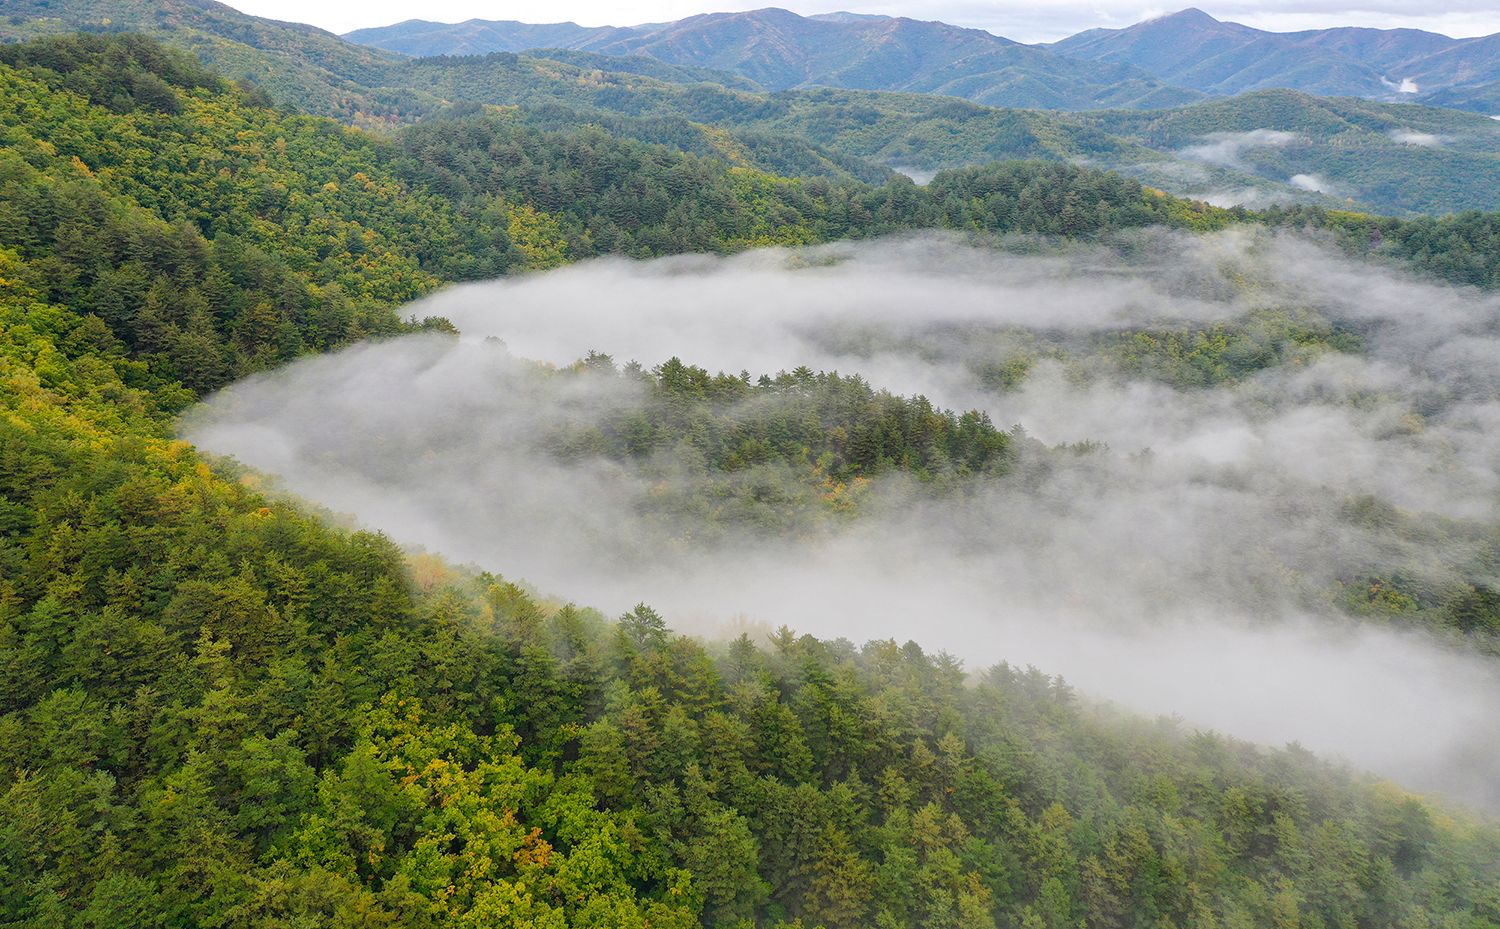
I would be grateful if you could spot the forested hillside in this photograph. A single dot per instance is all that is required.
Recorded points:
(1400, 159)
(222, 711)
(301, 66)
(1275, 146)
(1463, 248)
(1257, 150)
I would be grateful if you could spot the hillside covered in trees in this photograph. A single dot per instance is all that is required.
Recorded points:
(1257, 149)
(222, 710)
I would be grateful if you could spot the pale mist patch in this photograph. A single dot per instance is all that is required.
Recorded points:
(1254, 198)
(1170, 572)
(1229, 148)
(1214, 184)
(1310, 182)
(919, 176)
(1422, 139)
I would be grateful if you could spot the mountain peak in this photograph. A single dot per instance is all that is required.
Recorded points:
(1190, 16)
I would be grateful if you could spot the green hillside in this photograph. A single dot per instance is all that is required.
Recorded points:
(298, 65)
(1386, 158)
(222, 711)
(1401, 159)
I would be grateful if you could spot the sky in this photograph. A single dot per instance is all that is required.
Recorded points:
(1022, 20)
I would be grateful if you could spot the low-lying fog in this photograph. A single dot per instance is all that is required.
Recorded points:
(1169, 572)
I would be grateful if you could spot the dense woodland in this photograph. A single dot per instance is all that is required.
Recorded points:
(219, 711)
(1463, 248)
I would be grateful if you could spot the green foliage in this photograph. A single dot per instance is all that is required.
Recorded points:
(299, 66)
(616, 195)
(1354, 145)
(1226, 352)
(1359, 150)
(219, 711)
(1463, 249)
(212, 237)
(786, 453)
(123, 74)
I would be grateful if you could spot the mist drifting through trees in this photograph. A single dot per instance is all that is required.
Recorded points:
(1292, 431)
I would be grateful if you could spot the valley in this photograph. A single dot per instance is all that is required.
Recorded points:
(632, 482)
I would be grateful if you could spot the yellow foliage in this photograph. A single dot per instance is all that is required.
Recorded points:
(535, 234)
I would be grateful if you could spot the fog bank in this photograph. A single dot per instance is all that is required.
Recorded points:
(1186, 568)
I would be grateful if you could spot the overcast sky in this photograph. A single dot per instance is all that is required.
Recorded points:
(1023, 20)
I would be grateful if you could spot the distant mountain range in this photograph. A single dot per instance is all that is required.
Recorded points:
(781, 50)
(1191, 49)
(1163, 62)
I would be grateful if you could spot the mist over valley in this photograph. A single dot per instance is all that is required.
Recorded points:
(750, 471)
(1232, 458)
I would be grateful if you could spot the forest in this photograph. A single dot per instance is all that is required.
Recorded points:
(223, 709)
(1262, 148)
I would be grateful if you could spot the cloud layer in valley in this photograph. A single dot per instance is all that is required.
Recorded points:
(1177, 570)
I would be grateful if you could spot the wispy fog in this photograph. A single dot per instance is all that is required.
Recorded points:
(1423, 139)
(1311, 182)
(1229, 148)
(1193, 566)
(920, 176)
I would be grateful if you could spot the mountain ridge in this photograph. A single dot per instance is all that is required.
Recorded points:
(781, 50)
(1164, 61)
(1191, 48)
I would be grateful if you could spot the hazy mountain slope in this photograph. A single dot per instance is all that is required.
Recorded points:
(641, 65)
(1468, 62)
(421, 38)
(1293, 110)
(1379, 48)
(1160, 63)
(779, 50)
(1480, 98)
(1168, 44)
(901, 129)
(1192, 49)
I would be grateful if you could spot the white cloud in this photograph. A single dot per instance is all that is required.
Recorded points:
(1254, 198)
(919, 176)
(1310, 182)
(1228, 148)
(1167, 581)
(1424, 139)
